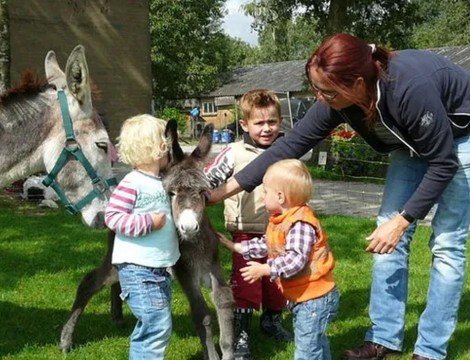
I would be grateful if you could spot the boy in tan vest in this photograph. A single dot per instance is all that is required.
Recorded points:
(246, 218)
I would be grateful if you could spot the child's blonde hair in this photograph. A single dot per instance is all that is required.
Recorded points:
(291, 177)
(142, 140)
(258, 99)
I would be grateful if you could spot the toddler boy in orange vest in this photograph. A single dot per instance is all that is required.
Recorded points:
(299, 258)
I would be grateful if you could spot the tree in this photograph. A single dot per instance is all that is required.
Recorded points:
(272, 22)
(189, 49)
(445, 24)
(4, 47)
(381, 21)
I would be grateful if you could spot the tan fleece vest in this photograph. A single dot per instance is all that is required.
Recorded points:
(316, 279)
(245, 212)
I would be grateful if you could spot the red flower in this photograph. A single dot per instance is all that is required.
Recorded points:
(343, 134)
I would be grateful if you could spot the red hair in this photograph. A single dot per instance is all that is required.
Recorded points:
(343, 58)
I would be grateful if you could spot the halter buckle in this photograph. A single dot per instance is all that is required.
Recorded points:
(71, 145)
(100, 185)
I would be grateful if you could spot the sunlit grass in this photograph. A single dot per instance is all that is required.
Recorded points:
(45, 253)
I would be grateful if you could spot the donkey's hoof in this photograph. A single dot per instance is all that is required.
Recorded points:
(65, 347)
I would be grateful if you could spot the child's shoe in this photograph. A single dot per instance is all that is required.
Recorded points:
(271, 324)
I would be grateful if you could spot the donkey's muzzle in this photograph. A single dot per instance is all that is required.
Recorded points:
(187, 224)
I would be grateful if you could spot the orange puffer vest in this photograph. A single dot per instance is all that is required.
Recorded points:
(316, 279)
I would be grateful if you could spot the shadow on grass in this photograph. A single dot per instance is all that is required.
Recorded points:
(26, 326)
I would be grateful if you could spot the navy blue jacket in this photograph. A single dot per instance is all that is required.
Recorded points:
(425, 103)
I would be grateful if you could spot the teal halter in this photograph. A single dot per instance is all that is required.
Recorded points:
(72, 148)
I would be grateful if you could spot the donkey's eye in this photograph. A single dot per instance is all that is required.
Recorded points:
(103, 145)
(171, 193)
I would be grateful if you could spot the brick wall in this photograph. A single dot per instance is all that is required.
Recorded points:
(116, 37)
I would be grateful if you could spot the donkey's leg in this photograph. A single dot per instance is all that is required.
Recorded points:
(116, 303)
(223, 300)
(93, 282)
(200, 312)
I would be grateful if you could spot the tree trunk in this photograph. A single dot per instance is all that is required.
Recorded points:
(281, 40)
(337, 16)
(4, 46)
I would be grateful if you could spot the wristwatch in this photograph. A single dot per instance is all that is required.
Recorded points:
(406, 216)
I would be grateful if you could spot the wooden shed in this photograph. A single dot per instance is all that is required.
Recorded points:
(116, 37)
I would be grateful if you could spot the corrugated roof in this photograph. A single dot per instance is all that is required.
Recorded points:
(289, 75)
(458, 54)
(281, 76)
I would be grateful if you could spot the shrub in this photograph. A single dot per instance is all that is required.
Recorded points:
(173, 113)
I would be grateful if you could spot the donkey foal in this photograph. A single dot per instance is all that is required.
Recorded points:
(186, 183)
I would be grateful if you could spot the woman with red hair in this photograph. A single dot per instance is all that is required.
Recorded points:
(414, 105)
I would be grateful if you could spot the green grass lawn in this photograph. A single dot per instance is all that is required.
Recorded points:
(45, 253)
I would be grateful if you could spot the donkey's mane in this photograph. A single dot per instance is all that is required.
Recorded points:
(31, 84)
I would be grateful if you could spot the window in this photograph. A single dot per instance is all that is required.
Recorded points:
(209, 107)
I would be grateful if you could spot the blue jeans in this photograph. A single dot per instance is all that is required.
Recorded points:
(447, 243)
(148, 294)
(310, 319)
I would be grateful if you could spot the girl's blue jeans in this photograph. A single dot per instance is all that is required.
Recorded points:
(148, 294)
(447, 243)
(310, 321)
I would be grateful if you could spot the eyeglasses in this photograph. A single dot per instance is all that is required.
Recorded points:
(328, 95)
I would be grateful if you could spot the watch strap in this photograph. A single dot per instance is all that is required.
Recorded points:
(406, 216)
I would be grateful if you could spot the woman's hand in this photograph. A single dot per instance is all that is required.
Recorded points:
(254, 271)
(224, 191)
(158, 220)
(385, 237)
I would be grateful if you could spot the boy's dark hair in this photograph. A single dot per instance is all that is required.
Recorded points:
(258, 98)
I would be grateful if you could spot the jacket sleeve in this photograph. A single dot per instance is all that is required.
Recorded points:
(317, 124)
(221, 168)
(425, 119)
(119, 216)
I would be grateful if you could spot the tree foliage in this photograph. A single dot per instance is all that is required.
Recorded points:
(382, 21)
(446, 23)
(190, 53)
(299, 41)
(281, 22)
(189, 49)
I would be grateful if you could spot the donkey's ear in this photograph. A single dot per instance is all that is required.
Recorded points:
(78, 79)
(54, 73)
(171, 132)
(205, 143)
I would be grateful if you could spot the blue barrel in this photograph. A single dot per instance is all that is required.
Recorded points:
(227, 136)
(215, 137)
(224, 138)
